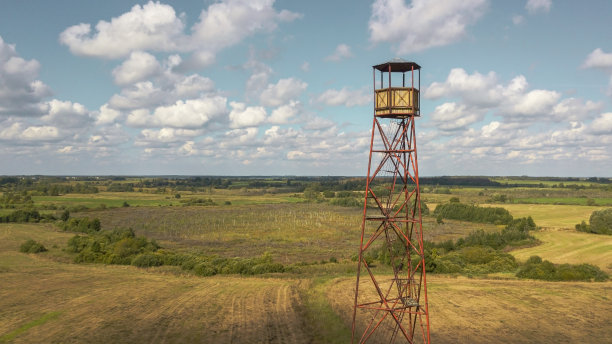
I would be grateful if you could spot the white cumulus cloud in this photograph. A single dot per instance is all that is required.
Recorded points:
(282, 92)
(342, 52)
(242, 116)
(602, 125)
(422, 24)
(19, 132)
(106, 115)
(535, 6)
(66, 114)
(283, 114)
(20, 92)
(152, 26)
(188, 114)
(598, 59)
(344, 97)
(453, 116)
(157, 27)
(138, 67)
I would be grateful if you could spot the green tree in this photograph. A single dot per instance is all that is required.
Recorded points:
(65, 215)
(32, 246)
(601, 221)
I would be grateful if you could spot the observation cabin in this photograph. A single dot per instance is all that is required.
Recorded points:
(397, 95)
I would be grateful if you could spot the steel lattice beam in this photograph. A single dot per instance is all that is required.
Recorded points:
(392, 304)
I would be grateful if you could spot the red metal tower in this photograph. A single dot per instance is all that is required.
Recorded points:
(391, 300)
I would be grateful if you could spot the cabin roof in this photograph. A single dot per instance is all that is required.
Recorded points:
(397, 65)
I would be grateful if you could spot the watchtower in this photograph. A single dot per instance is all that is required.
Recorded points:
(391, 298)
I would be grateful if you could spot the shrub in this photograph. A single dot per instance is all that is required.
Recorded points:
(346, 202)
(198, 201)
(583, 227)
(471, 260)
(424, 209)
(82, 225)
(267, 268)
(329, 194)
(344, 194)
(204, 269)
(536, 268)
(32, 246)
(119, 246)
(65, 216)
(21, 216)
(523, 224)
(601, 221)
(465, 212)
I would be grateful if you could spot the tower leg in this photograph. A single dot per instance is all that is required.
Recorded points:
(391, 298)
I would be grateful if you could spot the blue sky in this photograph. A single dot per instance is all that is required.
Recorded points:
(267, 87)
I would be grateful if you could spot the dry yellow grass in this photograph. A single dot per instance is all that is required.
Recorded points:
(113, 304)
(44, 300)
(506, 311)
(569, 246)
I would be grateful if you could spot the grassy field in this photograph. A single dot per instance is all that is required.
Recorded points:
(548, 215)
(466, 310)
(292, 232)
(144, 199)
(568, 246)
(45, 299)
(565, 200)
(546, 183)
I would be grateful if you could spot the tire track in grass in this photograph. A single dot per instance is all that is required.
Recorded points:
(266, 313)
(174, 312)
(24, 328)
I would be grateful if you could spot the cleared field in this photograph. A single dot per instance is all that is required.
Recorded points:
(549, 215)
(44, 299)
(48, 302)
(506, 311)
(291, 232)
(565, 246)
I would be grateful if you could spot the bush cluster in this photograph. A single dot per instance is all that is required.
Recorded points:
(466, 212)
(536, 268)
(123, 247)
(477, 253)
(82, 225)
(472, 260)
(515, 234)
(26, 216)
(346, 202)
(600, 222)
(119, 246)
(32, 246)
(197, 201)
